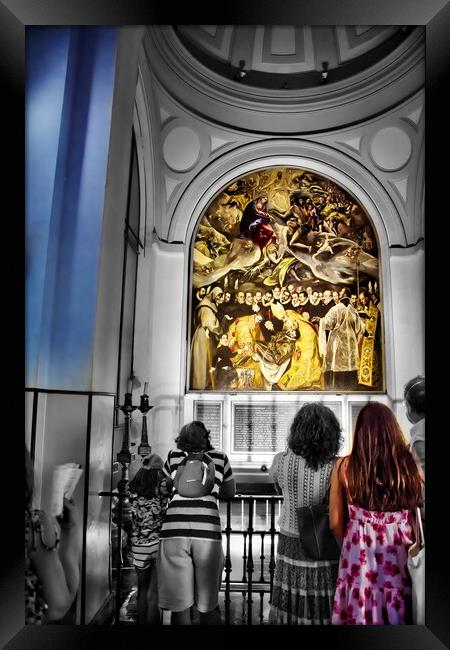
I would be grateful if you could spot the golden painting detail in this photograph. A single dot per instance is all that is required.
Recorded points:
(285, 288)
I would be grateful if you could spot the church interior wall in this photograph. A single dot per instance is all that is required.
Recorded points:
(407, 268)
(70, 387)
(184, 158)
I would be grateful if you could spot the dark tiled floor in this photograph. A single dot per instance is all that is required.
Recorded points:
(238, 609)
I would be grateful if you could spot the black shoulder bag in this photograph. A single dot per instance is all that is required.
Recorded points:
(317, 540)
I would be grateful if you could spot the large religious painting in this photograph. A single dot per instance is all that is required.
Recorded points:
(285, 288)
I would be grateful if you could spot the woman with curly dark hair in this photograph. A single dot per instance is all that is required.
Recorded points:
(303, 590)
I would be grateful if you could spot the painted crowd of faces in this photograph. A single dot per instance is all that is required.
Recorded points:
(273, 253)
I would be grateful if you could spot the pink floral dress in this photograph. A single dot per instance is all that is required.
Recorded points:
(373, 585)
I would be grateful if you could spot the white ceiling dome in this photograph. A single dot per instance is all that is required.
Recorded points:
(289, 56)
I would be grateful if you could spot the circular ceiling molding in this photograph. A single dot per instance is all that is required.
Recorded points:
(181, 148)
(390, 148)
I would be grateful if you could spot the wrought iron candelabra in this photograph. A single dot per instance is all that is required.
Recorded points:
(121, 511)
(144, 448)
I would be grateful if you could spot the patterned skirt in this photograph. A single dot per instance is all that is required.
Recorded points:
(303, 590)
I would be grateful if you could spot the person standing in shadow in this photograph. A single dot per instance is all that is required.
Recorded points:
(52, 557)
(414, 400)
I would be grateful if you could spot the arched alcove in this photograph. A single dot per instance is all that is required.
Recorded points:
(349, 175)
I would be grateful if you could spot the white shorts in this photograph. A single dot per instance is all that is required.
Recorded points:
(189, 573)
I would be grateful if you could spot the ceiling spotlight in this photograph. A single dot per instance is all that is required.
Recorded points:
(241, 73)
(324, 73)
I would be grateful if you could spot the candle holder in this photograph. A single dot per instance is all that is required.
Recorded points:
(124, 455)
(123, 518)
(144, 407)
(121, 511)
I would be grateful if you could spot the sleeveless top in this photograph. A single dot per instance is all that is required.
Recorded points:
(301, 486)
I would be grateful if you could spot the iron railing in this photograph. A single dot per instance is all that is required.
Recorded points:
(250, 528)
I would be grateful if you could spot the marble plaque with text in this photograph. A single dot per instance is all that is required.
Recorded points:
(210, 413)
(265, 427)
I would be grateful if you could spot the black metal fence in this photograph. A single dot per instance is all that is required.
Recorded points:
(250, 538)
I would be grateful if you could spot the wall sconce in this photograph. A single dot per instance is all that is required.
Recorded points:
(324, 73)
(241, 73)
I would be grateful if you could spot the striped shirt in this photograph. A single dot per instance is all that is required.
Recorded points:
(195, 517)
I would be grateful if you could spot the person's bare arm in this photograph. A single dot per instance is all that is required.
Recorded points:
(337, 502)
(419, 452)
(58, 570)
(227, 490)
(273, 473)
(277, 486)
(70, 545)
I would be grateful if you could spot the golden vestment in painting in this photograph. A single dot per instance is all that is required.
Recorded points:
(243, 334)
(305, 370)
(368, 367)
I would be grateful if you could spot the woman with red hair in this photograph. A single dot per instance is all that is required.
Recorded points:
(379, 485)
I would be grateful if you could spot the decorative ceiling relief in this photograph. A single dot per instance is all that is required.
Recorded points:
(353, 143)
(181, 148)
(415, 116)
(355, 41)
(216, 40)
(284, 49)
(282, 79)
(401, 186)
(391, 148)
(171, 186)
(164, 115)
(218, 143)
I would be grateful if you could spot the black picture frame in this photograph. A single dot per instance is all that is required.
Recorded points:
(15, 15)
